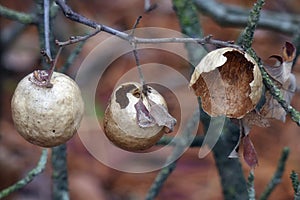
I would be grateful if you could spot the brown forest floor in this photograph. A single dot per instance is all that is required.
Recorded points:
(193, 178)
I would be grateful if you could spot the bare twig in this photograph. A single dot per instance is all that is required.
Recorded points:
(47, 26)
(180, 146)
(69, 13)
(135, 53)
(250, 185)
(169, 140)
(29, 177)
(148, 7)
(71, 58)
(75, 39)
(60, 173)
(137, 21)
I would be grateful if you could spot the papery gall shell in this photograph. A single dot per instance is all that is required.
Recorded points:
(120, 122)
(229, 83)
(47, 117)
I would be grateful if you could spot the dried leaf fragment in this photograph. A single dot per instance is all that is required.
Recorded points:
(249, 152)
(158, 115)
(144, 118)
(284, 79)
(162, 117)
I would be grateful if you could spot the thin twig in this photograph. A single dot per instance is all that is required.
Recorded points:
(169, 140)
(75, 39)
(137, 61)
(135, 53)
(148, 7)
(137, 21)
(47, 27)
(247, 35)
(69, 13)
(276, 179)
(250, 185)
(29, 177)
(17, 16)
(60, 173)
(72, 57)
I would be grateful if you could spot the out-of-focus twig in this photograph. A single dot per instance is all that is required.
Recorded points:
(246, 38)
(250, 185)
(277, 175)
(29, 177)
(17, 16)
(180, 146)
(235, 16)
(296, 186)
(60, 173)
(169, 140)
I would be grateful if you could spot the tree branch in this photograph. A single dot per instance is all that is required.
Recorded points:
(246, 38)
(29, 177)
(72, 57)
(69, 13)
(235, 16)
(17, 16)
(60, 173)
(295, 180)
(250, 185)
(47, 26)
(169, 140)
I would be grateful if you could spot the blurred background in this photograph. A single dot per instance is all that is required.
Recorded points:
(193, 178)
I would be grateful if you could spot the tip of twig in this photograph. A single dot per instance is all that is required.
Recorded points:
(151, 8)
(137, 21)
